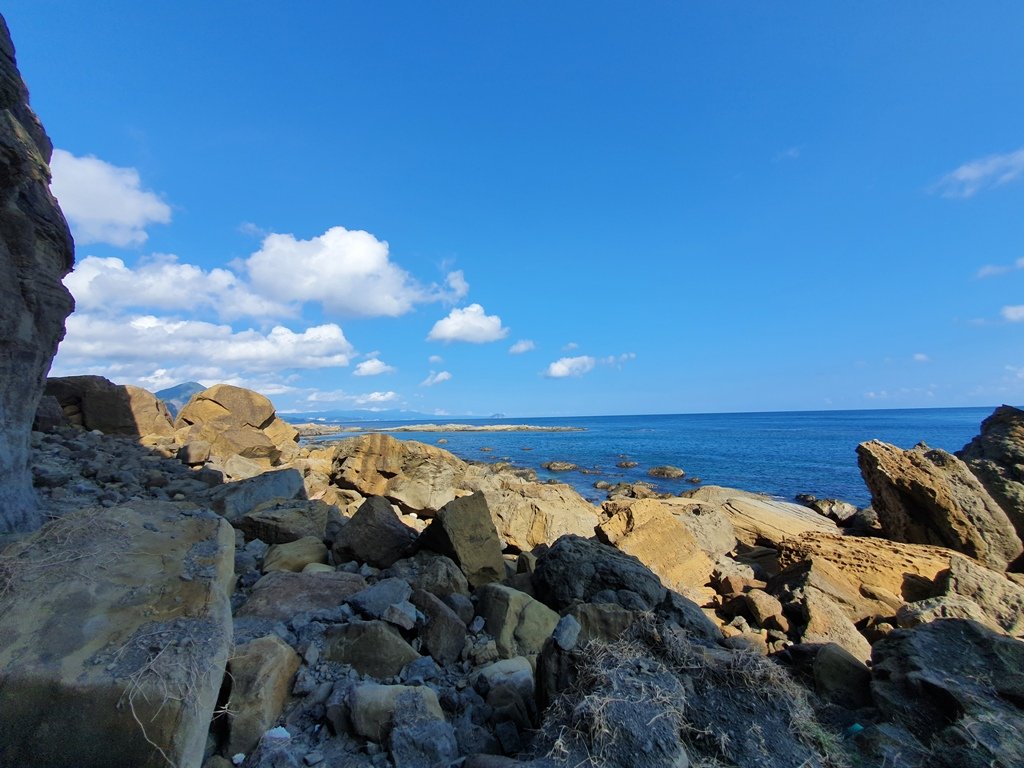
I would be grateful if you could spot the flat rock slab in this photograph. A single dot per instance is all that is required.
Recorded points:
(760, 519)
(115, 628)
(282, 594)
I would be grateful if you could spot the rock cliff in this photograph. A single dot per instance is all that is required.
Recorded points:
(36, 251)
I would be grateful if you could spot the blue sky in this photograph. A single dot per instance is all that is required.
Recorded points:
(542, 208)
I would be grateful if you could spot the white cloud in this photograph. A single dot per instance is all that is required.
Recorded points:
(570, 346)
(435, 359)
(983, 173)
(992, 270)
(1014, 314)
(470, 324)
(435, 378)
(921, 357)
(376, 398)
(138, 345)
(104, 203)
(161, 282)
(521, 346)
(373, 367)
(347, 271)
(618, 360)
(570, 366)
(879, 395)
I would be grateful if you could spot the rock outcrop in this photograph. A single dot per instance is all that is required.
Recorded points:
(94, 402)
(116, 650)
(957, 687)
(996, 456)
(417, 477)
(926, 496)
(36, 252)
(232, 421)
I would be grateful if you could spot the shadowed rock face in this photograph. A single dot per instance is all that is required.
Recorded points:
(36, 251)
(996, 456)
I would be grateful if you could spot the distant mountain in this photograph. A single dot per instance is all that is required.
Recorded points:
(177, 396)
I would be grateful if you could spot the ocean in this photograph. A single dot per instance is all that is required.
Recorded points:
(781, 454)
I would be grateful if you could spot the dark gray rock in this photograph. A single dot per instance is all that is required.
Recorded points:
(958, 687)
(36, 252)
(376, 599)
(375, 535)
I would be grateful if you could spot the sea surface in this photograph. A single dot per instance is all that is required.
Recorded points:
(781, 454)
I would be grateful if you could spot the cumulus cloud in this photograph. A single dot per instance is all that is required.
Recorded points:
(470, 324)
(373, 367)
(521, 346)
(435, 378)
(992, 270)
(570, 366)
(104, 203)
(346, 271)
(435, 359)
(141, 344)
(983, 173)
(376, 398)
(1014, 314)
(161, 282)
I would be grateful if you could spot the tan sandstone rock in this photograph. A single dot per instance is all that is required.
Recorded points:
(295, 555)
(261, 676)
(417, 477)
(649, 531)
(926, 496)
(759, 520)
(116, 631)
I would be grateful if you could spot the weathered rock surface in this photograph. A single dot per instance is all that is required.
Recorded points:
(996, 456)
(278, 522)
(370, 647)
(374, 535)
(115, 652)
(528, 513)
(758, 520)
(518, 623)
(94, 402)
(261, 675)
(464, 532)
(36, 252)
(236, 421)
(417, 477)
(958, 687)
(373, 707)
(650, 532)
(295, 555)
(280, 595)
(926, 496)
(234, 500)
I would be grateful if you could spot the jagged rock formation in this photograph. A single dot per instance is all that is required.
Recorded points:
(36, 251)
(926, 496)
(94, 402)
(996, 456)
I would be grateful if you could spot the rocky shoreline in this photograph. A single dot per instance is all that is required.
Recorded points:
(380, 602)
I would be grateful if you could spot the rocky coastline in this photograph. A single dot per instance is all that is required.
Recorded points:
(380, 602)
(205, 591)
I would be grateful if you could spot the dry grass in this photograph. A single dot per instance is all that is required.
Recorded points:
(723, 698)
(57, 550)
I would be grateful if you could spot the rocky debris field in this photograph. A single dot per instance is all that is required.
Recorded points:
(214, 594)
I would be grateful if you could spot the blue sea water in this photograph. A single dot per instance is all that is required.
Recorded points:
(781, 454)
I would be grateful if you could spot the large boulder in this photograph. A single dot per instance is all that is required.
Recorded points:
(996, 456)
(94, 402)
(237, 422)
(374, 535)
(759, 520)
(261, 676)
(651, 533)
(417, 477)
(958, 687)
(116, 630)
(280, 595)
(528, 513)
(36, 252)
(464, 532)
(240, 498)
(518, 623)
(926, 496)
